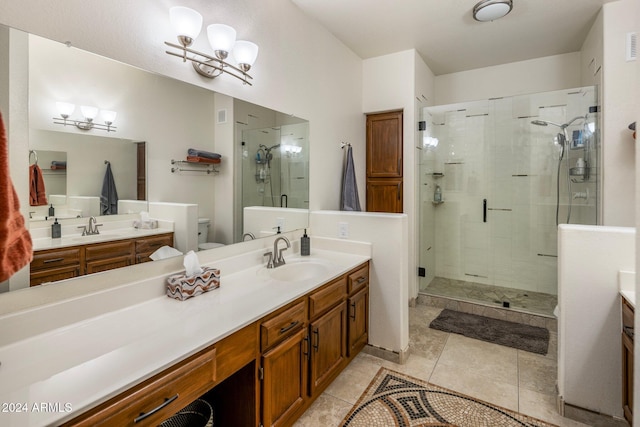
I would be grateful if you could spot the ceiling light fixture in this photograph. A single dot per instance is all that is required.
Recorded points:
(187, 24)
(490, 10)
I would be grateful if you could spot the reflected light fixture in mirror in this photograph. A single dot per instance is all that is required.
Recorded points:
(490, 10)
(187, 24)
(89, 113)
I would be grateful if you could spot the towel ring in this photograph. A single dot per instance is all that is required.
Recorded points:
(35, 155)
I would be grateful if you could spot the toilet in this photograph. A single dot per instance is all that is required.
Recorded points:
(203, 232)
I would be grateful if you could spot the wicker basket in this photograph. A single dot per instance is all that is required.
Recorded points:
(198, 413)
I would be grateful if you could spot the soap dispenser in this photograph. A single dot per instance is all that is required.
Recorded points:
(437, 195)
(305, 244)
(52, 210)
(56, 229)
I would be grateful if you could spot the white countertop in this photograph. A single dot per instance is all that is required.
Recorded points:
(627, 285)
(76, 367)
(42, 243)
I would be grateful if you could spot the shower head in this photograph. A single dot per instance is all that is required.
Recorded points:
(561, 126)
(546, 123)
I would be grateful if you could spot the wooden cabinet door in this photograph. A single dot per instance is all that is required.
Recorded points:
(108, 264)
(358, 334)
(384, 195)
(284, 385)
(384, 145)
(328, 352)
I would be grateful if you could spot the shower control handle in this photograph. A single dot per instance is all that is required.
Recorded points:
(484, 210)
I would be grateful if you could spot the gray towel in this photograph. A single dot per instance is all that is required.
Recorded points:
(202, 153)
(109, 195)
(349, 200)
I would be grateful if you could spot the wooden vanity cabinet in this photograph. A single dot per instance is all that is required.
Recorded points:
(148, 245)
(628, 313)
(164, 394)
(358, 310)
(108, 256)
(51, 265)
(56, 264)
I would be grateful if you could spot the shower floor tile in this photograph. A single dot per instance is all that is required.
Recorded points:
(518, 299)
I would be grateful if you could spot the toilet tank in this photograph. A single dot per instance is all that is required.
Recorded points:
(203, 229)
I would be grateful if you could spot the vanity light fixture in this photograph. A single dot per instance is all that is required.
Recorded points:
(89, 114)
(187, 24)
(490, 10)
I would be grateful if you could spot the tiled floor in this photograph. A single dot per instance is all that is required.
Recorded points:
(526, 301)
(514, 379)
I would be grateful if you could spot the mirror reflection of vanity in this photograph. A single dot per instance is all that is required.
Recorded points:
(170, 116)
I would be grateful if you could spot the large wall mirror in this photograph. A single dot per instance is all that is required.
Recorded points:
(265, 154)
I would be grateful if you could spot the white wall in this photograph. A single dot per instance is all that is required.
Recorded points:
(619, 104)
(589, 324)
(388, 292)
(516, 78)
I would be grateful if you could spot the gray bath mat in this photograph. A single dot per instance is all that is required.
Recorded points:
(510, 334)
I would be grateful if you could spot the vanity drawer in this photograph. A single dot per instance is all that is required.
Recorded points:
(53, 274)
(109, 250)
(169, 391)
(55, 258)
(147, 246)
(358, 279)
(282, 325)
(327, 297)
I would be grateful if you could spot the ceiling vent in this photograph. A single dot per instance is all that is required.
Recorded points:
(632, 46)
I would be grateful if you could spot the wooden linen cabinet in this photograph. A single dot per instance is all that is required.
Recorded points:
(384, 162)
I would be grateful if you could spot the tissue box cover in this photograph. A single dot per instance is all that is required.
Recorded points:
(182, 287)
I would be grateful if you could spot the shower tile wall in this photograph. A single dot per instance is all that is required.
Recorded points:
(490, 150)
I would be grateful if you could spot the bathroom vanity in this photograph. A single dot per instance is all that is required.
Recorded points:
(77, 258)
(260, 348)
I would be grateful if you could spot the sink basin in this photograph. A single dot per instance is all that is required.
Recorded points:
(299, 271)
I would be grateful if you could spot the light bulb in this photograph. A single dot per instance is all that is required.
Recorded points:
(221, 38)
(245, 54)
(186, 22)
(89, 113)
(65, 109)
(109, 116)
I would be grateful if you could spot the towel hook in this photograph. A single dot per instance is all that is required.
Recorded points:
(345, 144)
(107, 162)
(35, 155)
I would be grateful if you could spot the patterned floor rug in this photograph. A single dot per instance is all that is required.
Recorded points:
(395, 399)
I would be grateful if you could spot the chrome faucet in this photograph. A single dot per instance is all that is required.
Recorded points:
(275, 258)
(250, 235)
(92, 229)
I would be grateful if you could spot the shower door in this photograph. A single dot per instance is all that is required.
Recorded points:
(498, 175)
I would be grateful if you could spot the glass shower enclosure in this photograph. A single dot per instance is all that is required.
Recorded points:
(496, 177)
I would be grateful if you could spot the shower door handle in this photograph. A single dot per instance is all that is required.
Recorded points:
(484, 210)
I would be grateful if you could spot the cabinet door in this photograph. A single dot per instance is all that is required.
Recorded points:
(384, 145)
(284, 385)
(328, 338)
(358, 334)
(384, 195)
(627, 377)
(109, 264)
(54, 274)
(148, 245)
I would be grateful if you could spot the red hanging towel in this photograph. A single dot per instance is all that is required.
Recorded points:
(37, 195)
(15, 240)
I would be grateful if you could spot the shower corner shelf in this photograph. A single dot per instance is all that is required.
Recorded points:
(209, 168)
(437, 203)
(437, 174)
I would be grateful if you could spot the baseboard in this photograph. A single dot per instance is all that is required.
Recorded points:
(587, 416)
(390, 355)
